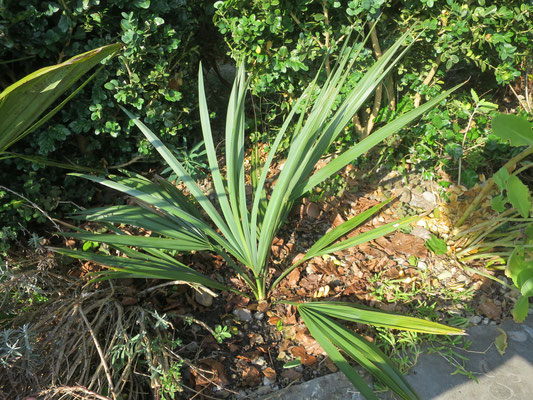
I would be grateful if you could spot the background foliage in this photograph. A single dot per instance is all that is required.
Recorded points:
(486, 42)
(163, 40)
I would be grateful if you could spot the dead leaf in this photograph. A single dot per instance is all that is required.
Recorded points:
(337, 221)
(251, 376)
(331, 365)
(313, 210)
(490, 309)
(270, 374)
(294, 277)
(291, 375)
(129, 301)
(306, 358)
(218, 376)
(501, 342)
(262, 306)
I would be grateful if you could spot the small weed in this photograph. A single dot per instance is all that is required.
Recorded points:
(221, 333)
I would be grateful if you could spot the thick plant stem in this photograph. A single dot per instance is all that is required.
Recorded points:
(260, 292)
(510, 165)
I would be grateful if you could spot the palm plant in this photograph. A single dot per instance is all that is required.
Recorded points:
(241, 227)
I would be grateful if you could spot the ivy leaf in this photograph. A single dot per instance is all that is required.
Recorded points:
(143, 4)
(513, 128)
(518, 195)
(63, 23)
(516, 264)
(436, 245)
(474, 95)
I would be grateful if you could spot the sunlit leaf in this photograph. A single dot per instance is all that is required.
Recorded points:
(513, 128)
(25, 100)
(519, 195)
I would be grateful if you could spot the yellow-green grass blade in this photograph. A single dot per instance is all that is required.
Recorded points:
(321, 336)
(235, 125)
(166, 207)
(50, 163)
(148, 219)
(344, 228)
(367, 236)
(367, 355)
(180, 171)
(214, 167)
(175, 195)
(363, 315)
(366, 144)
(353, 101)
(304, 151)
(24, 101)
(180, 241)
(148, 268)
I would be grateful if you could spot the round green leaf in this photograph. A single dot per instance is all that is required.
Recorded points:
(513, 128)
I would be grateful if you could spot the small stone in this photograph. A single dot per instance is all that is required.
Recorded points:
(476, 320)
(421, 202)
(444, 275)
(421, 232)
(486, 321)
(421, 265)
(260, 361)
(203, 298)
(243, 314)
(267, 382)
(517, 336)
(259, 315)
(492, 323)
(429, 196)
(405, 196)
(462, 278)
(313, 210)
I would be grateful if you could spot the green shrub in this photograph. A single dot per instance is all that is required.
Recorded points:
(163, 42)
(486, 42)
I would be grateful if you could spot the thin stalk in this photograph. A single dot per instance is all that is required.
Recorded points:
(468, 126)
(260, 284)
(478, 227)
(486, 246)
(475, 271)
(487, 233)
(494, 255)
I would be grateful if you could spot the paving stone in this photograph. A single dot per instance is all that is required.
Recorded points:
(507, 377)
